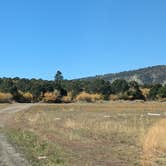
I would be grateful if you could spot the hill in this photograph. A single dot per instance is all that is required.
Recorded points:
(149, 75)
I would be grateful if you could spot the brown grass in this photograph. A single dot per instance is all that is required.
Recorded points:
(155, 144)
(5, 97)
(50, 97)
(28, 97)
(115, 133)
(87, 97)
(68, 98)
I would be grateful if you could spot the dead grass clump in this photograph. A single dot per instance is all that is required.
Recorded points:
(155, 143)
(87, 97)
(5, 97)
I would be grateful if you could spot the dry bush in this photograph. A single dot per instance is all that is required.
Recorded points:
(162, 99)
(5, 97)
(84, 97)
(145, 91)
(87, 97)
(51, 97)
(96, 97)
(28, 97)
(68, 98)
(114, 97)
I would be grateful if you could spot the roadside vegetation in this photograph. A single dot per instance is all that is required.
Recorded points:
(68, 91)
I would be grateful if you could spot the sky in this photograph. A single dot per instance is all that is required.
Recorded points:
(80, 37)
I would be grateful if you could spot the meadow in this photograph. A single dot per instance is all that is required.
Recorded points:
(100, 134)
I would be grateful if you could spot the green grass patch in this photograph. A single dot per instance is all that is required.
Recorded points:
(36, 151)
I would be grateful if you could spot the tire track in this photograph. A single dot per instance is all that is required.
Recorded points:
(8, 155)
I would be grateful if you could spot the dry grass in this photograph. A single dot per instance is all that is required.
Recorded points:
(155, 144)
(145, 91)
(28, 97)
(51, 97)
(87, 97)
(5, 97)
(115, 133)
(68, 98)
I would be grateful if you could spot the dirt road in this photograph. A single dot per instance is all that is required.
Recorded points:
(8, 154)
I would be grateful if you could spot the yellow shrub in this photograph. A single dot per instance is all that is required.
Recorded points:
(88, 97)
(68, 98)
(145, 91)
(162, 99)
(114, 97)
(5, 97)
(51, 97)
(96, 97)
(28, 97)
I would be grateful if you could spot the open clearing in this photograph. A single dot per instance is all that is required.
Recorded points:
(110, 134)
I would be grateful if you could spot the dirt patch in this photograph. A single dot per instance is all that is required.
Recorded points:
(8, 155)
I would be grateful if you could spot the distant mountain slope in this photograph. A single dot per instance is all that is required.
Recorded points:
(149, 75)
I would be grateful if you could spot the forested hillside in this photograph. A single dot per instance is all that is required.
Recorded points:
(149, 75)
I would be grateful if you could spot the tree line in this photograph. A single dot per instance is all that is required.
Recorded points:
(60, 90)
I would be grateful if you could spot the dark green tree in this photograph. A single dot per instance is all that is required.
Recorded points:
(59, 83)
(99, 86)
(58, 77)
(75, 86)
(119, 86)
(154, 91)
(162, 92)
(16, 95)
(134, 91)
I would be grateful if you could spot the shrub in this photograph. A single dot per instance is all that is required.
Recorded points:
(125, 96)
(52, 97)
(96, 97)
(114, 97)
(28, 97)
(135, 95)
(5, 98)
(154, 92)
(68, 98)
(120, 96)
(162, 92)
(87, 97)
(129, 95)
(119, 86)
(145, 92)
(162, 99)
(83, 96)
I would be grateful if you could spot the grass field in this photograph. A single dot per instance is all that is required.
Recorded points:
(110, 134)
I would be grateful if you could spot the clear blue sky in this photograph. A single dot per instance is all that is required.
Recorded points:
(80, 37)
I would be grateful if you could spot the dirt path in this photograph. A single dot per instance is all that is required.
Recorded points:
(8, 154)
